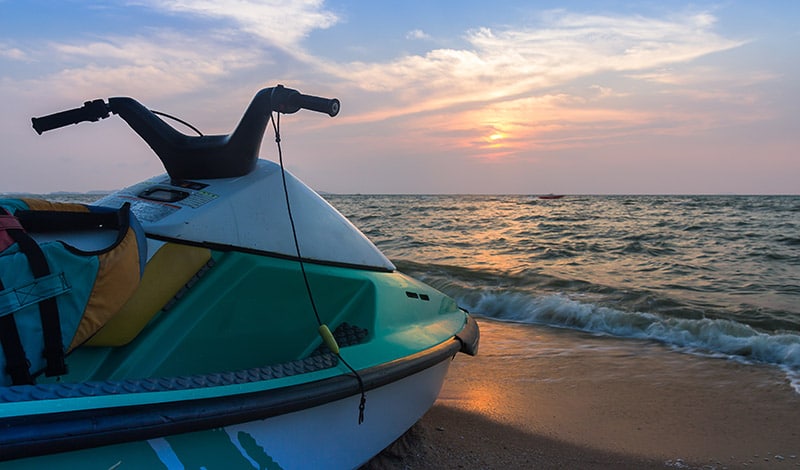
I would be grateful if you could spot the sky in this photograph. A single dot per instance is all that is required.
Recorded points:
(464, 97)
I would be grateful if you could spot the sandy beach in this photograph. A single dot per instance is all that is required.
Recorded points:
(543, 398)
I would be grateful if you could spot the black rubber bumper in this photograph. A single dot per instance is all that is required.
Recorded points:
(469, 336)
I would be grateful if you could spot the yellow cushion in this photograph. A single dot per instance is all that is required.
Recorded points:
(44, 205)
(170, 268)
(117, 280)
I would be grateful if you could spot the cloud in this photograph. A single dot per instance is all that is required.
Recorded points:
(174, 63)
(566, 47)
(417, 34)
(524, 82)
(10, 52)
(704, 76)
(497, 62)
(242, 38)
(282, 24)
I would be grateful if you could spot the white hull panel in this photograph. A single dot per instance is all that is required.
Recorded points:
(329, 436)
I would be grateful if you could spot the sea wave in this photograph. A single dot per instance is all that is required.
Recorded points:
(707, 335)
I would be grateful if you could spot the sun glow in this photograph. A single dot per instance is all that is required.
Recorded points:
(494, 143)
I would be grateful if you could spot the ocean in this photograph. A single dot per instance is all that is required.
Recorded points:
(716, 276)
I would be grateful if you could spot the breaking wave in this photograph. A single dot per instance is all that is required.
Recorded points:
(715, 336)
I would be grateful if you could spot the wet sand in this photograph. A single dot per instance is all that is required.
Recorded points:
(542, 398)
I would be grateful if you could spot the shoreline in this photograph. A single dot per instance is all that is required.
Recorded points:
(535, 397)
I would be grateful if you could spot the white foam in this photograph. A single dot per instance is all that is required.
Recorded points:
(716, 336)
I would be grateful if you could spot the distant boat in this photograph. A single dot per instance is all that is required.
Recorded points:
(551, 196)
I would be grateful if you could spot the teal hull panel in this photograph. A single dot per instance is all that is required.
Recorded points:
(250, 311)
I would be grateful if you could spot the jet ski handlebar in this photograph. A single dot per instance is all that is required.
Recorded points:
(90, 111)
(295, 101)
(197, 157)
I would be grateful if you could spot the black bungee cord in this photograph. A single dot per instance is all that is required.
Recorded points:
(324, 331)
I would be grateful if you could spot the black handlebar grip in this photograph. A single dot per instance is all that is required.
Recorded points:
(90, 111)
(329, 106)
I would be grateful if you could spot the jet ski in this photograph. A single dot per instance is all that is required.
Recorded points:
(220, 315)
